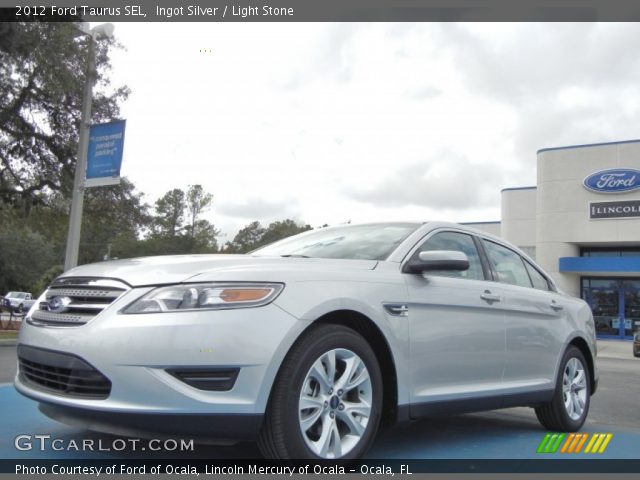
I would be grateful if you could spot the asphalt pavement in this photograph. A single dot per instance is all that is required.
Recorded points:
(502, 434)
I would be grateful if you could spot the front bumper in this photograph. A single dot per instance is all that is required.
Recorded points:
(223, 428)
(137, 353)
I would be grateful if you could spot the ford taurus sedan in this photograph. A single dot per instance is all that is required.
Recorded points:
(312, 343)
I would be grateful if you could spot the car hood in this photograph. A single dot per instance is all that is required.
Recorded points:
(181, 268)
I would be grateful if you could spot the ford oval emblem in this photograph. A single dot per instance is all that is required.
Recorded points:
(59, 304)
(614, 180)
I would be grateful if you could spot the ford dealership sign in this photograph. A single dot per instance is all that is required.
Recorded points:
(614, 180)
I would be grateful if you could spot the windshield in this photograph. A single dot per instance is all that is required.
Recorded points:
(15, 295)
(364, 242)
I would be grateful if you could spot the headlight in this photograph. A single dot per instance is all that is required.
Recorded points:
(205, 296)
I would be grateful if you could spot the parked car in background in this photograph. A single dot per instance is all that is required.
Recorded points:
(636, 344)
(310, 344)
(18, 301)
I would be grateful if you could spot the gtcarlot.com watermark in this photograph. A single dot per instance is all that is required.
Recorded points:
(45, 442)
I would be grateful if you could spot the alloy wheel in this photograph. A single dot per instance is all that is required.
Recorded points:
(574, 388)
(335, 403)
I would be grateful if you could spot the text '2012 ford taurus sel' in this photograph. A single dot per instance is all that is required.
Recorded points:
(309, 344)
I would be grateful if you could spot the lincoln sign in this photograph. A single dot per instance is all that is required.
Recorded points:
(614, 180)
(628, 209)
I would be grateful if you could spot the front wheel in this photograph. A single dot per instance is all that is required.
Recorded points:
(568, 409)
(326, 401)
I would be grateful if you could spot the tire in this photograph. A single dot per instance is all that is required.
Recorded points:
(20, 308)
(569, 408)
(311, 413)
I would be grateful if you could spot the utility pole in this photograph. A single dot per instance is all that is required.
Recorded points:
(77, 200)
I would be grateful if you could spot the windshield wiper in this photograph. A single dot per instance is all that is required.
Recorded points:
(293, 255)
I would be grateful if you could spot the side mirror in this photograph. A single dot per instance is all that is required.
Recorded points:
(437, 260)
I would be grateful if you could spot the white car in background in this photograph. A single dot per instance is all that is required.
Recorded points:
(310, 344)
(17, 301)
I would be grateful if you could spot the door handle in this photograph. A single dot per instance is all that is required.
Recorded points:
(556, 306)
(489, 297)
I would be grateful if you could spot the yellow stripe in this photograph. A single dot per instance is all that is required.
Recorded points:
(608, 438)
(566, 444)
(594, 437)
(583, 439)
(596, 446)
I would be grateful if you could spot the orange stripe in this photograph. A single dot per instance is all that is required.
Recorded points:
(574, 443)
(566, 444)
(584, 439)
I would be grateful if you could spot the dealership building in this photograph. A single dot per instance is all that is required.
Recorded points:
(581, 223)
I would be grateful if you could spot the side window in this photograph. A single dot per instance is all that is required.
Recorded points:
(507, 264)
(460, 242)
(538, 280)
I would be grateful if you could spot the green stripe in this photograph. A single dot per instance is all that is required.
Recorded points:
(543, 443)
(558, 442)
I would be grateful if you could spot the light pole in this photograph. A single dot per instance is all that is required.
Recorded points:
(77, 201)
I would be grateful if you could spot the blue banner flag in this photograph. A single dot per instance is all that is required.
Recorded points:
(104, 154)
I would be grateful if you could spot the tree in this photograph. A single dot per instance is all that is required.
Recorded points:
(111, 213)
(204, 238)
(42, 72)
(197, 202)
(24, 255)
(169, 216)
(247, 239)
(170, 234)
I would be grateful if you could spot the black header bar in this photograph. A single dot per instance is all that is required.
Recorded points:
(321, 11)
(261, 467)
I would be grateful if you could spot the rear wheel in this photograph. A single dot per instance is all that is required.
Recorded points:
(568, 409)
(326, 401)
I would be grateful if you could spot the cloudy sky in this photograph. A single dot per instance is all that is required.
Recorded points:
(326, 123)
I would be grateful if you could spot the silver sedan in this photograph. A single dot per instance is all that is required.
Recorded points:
(310, 344)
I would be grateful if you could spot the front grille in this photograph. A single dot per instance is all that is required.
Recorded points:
(74, 301)
(61, 373)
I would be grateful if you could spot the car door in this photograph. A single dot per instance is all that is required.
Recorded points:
(533, 321)
(457, 330)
